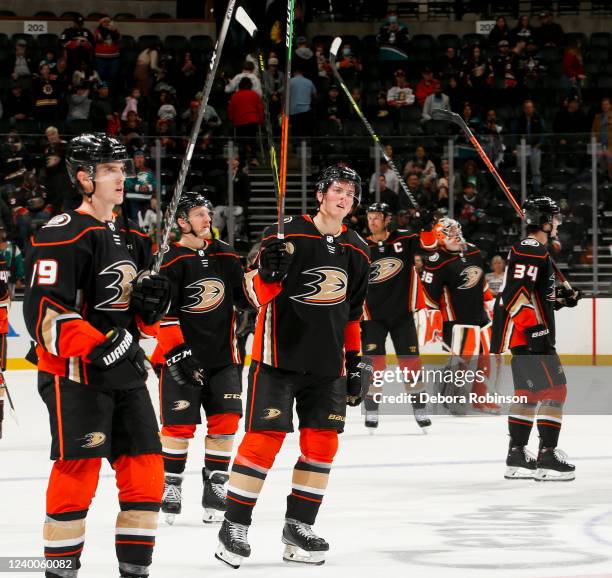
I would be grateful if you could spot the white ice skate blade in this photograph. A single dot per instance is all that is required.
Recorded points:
(211, 516)
(546, 475)
(227, 557)
(295, 554)
(516, 473)
(170, 519)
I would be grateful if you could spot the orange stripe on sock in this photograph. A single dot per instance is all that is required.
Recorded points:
(305, 498)
(241, 502)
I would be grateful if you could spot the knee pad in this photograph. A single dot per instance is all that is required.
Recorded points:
(261, 447)
(72, 485)
(223, 423)
(140, 478)
(179, 431)
(319, 445)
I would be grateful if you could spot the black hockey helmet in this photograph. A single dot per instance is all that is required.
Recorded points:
(339, 173)
(540, 210)
(90, 149)
(190, 200)
(380, 208)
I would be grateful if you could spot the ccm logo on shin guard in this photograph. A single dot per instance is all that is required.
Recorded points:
(119, 351)
(541, 333)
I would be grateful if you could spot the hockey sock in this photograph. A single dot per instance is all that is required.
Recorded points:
(71, 488)
(417, 395)
(254, 459)
(140, 480)
(520, 421)
(219, 441)
(311, 474)
(550, 416)
(175, 443)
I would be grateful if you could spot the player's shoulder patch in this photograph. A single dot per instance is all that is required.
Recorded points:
(531, 242)
(60, 220)
(434, 257)
(529, 247)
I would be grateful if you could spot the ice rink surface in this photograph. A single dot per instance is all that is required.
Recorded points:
(399, 503)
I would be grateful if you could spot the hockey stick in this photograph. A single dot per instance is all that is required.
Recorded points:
(333, 53)
(193, 137)
(247, 23)
(8, 396)
(447, 115)
(284, 151)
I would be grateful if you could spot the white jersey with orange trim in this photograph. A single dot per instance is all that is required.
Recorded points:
(301, 321)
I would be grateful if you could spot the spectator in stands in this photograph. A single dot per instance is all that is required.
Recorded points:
(106, 37)
(14, 262)
(59, 190)
(413, 182)
(274, 83)
(602, 131)
(86, 75)
(455, 92)
(381, 109)
(242, 194)
(522, 31)
(499, 32)
(549, 33)
(469, 207)
(436, 100)
(304, 58)
(138, 189)
(61, 76)
(303, 92)
(530, 62)
(29, 219)
(470, 117)
(131, 103)
(245, 112)
(324, 70)
(17, 105)
(391, 180)
(147, 216)
(50, 59)
(477, 75)
(147, 69)
(167, 110)
(492, 141)
(443, 175)
(496, 277)
(449, 64)
(332, 107)
(421, 165)
(350, 65)
(387, 195)
(505, 74)
(469, 174)
(19, 64)
(47, 95)
(400, 94)
(425, 86)
(573, 68)
(101, 112)
(78, 43)
(440, 199)
(530, 125)
(248, 71)
(132, 130)
(79, 104)
(357, 95)
(393, 34)
(210, 121)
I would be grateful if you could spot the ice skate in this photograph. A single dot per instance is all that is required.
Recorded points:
(422, 419)
(214, 499)
(552, 466)
(302, 545)
(371, 420)
(520, 464)
(233, 545)
(171, 499)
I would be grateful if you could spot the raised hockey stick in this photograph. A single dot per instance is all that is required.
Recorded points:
(193, 137)
(247, 23)
(9, 398)
(284, 151)
(333, 53)
(455, 118)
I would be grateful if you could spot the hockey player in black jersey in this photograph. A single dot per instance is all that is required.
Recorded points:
(524, 323)
(309, 290)
(88, 297)
(394, 295)
(202, 363)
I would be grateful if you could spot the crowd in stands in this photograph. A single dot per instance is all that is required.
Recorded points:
(536, 82)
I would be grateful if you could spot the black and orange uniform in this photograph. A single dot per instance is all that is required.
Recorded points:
(207, 286)
(305, 325)
(5, 303)
(79, 287)
(527, 300)
(455, 283)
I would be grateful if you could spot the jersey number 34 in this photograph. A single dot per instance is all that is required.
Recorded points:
(521, 271)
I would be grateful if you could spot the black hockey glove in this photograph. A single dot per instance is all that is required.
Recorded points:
(184, 367)
(538, 339)
(119, 347)
(359, 373)
(274, 261)
(150, 297)
(565, 297)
